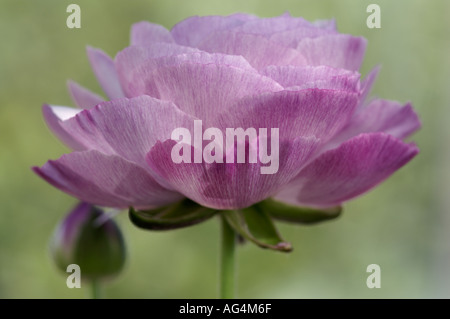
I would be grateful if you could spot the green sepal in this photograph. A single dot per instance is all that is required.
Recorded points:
(297, 214)
(256, 226)
(181, 214)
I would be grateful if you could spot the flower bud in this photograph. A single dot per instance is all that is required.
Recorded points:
(88, 238)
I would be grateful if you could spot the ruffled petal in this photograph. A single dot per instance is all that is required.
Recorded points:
(367, 84)
(126, 127)
(348, 171)
(269, 26)
(339, 51)
(105, 180)
(127, 60)
(82, 97)
(105, 72)
(379, 115)
(53, 116)
(229, 185)
(193, 30)
(145, 33)
(202, 89)
(312, 112)
(291, 38)
(321, 77)
(256, 49)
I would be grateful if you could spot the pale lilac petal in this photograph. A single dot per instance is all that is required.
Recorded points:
(126, 127)
(291, 38)
(193, 30)
(321, 77)
(348, 171)
(134, 81)
(287, 29)
(367, 83)
(82, 97)
(229, 185)
(62, 113)
(379, 115)
(53, 116)
(268, 26)
(105, 72)
(202, 90)
(312, 112)
(145, 33)
(105, 180)
(339, 51)
(131, 57)
(326, 24)
(257, 50)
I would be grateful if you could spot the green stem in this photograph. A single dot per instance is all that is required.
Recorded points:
(96, 289)
(227, 261)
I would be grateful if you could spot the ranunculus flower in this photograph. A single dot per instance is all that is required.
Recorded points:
(230, 72)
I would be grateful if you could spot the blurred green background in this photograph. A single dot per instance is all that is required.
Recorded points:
(403, 225)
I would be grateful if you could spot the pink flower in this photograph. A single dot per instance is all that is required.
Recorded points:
(230, 71)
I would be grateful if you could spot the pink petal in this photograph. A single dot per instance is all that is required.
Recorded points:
(312, 112)
(269, 26)
(348, 171)
(199, 89)
(339, 51)
(322, 77)
(131, 57)
(367, 83)
(53, 116)
(82, 97)
(194, 30)
(145, 33)
(105, 72)
(229, 185)
(134, 81)
(380, 116)
(126, 127)
(326, 24)
(257, 50)
(105, 180)
(291, 38)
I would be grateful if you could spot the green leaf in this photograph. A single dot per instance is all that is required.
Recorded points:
(182, 214)
(256, 226)
(296, 214)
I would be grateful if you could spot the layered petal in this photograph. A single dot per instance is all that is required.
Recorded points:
(348, 171)
(105, 180)
(145, 33)
(256, 49)
(54, 115)
(126, 127)
(82, 97)
(323, 77)
(203, 89)
(105, 72)
(367, 84)
(141, 80)
(291, 38)
(312, 112)
(193, 30)
(340, 51)
(270, 26)
(379, 115)
(229, 185)
(127, 60)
